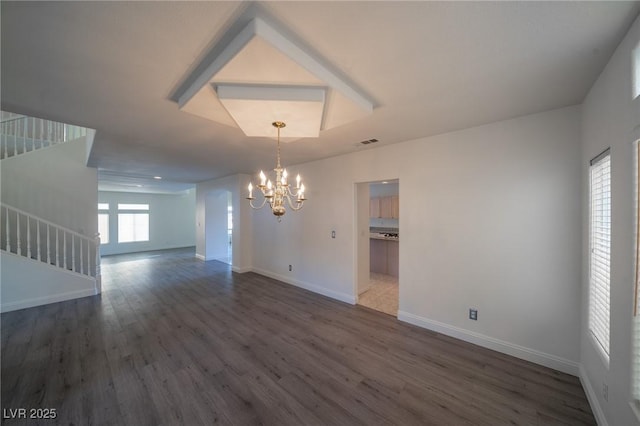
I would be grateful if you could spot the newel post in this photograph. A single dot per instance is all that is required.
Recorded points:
(98, 273)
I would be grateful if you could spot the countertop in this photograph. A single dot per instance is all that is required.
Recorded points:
(377, 236)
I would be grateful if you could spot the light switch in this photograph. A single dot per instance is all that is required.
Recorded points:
(333, 234)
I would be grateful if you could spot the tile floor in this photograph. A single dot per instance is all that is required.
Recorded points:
(383, 294)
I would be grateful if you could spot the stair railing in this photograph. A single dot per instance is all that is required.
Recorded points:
(27, 235)
(24, 134)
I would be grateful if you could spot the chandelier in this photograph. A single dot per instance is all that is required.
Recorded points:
(275, 194)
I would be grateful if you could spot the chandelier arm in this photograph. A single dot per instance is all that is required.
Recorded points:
(264, 201)
(291, 193)
(293, 205)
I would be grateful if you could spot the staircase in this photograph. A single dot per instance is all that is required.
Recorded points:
(26, 235)
(42, 261)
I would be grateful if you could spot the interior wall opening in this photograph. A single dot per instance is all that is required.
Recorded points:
(378, 245)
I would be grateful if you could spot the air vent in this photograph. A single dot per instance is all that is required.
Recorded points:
(367, 142)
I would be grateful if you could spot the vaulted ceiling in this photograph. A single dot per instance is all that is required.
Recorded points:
(426, 67)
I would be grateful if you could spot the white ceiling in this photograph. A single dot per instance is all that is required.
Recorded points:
(429, 67)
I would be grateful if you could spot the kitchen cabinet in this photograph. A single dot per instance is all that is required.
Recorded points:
(385, 207)
(378, 256)
(374, 207)
(393, 258)
(384, 256)
(395, 207)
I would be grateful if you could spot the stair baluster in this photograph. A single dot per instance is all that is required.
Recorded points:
(64, 248)
(73, 253)
(15, 139)
(57, 248)
(48, 246)
(28, 238)
(81, 262)
(19, 245)
(25, 130)
(88, 258)
(38, 237)
(8, 230)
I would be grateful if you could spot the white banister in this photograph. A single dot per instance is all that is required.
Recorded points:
(22, 134)
(81, 245)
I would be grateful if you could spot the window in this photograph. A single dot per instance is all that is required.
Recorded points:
(103, 222)
(133, 223)
(600, 248)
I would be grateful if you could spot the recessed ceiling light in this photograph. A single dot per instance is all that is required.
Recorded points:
(385, 182)
(139, 186)
(157, 177)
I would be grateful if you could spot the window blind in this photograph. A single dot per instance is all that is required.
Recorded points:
(600, 236)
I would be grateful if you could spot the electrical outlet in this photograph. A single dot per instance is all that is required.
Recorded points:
(290, 268)
(605, 392)
(473, 314)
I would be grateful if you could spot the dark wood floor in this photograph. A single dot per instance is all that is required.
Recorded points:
(173, 340)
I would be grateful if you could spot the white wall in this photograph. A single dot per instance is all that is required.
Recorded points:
(171, 221)
(242, 239)
(55, 184)
(216, 225)
(490, 219)
(27, 283)
(362, 249)
(611, 119)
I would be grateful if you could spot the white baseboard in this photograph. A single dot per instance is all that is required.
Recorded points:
(199, 256)
(592, 398)
(343, 297)
(242, 270)
(38, 301)
(528, 354)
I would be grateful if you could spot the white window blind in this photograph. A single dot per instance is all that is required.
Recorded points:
(133, 224)
(600, 239)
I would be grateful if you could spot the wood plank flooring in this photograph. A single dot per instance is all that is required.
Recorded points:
(173, 340)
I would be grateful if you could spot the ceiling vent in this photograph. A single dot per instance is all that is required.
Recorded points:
(368, 141)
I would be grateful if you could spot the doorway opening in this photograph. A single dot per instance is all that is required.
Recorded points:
(377, 281)
(229, 258)
(219, 226)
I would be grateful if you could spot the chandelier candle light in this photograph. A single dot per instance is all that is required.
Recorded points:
(275, 194)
